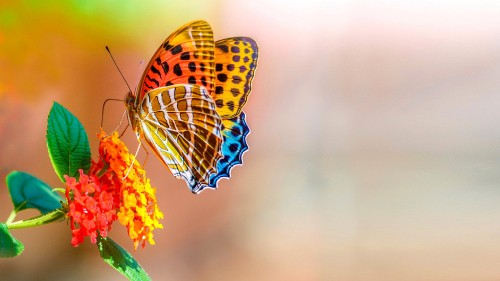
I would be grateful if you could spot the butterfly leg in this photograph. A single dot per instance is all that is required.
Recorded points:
(124, 130)
(119, 124)
(133, 160)
(147, 156)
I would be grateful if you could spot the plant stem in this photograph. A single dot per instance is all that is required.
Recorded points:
(58, 189)
(11, 217)
(55, 215)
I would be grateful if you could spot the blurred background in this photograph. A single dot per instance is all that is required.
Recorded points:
(375, 144)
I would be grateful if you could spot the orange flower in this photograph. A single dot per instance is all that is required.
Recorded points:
(138, 210)
(115, 189)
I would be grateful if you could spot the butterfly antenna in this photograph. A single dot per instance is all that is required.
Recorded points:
(102, 111)
(113, 59)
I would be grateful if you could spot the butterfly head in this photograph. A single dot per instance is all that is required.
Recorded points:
(131, 109)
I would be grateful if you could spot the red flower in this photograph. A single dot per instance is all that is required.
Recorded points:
(116, 188)
(92, 207)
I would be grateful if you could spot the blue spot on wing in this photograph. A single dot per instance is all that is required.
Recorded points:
(234, 133)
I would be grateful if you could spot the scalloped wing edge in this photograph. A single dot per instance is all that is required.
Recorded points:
(225, 171)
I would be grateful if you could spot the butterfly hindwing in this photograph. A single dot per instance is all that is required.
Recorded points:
(235, 63)
(185, 57)
(181, 125)
(234, 133)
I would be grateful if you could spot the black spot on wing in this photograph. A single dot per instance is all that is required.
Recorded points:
(185, 56)
(175, 50)
(234, 147)
(192, 66)
(155, 70)
(167, 46)
(230, 105)
(222, 77)
(153, 81)
(223, 48)
(236, 131)
(177, 70)
(235, 92)
(237, 79)
(165, 67)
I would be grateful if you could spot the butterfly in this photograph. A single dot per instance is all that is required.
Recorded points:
(188, 104)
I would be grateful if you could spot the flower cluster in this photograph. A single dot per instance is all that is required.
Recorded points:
(139, 211)
(116, 188)
(91, 207)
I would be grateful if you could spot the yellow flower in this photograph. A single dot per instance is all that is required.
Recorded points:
(139, 211)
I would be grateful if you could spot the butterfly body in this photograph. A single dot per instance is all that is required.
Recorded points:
(188, 105)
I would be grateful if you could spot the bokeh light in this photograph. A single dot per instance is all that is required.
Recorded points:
(374, 152)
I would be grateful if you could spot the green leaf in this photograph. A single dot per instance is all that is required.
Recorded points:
(55, 215)
(67, 142)
(121, 260)
(9, 246)
(26, 191)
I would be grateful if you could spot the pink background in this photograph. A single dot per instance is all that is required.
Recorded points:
(375, 144)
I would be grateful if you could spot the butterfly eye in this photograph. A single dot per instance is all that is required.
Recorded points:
(129, 99)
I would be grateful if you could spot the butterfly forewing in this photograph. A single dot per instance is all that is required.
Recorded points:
(185, 57)
(180, 123)
(235, 63)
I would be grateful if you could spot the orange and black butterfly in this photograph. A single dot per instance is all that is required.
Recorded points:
(188, 105)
